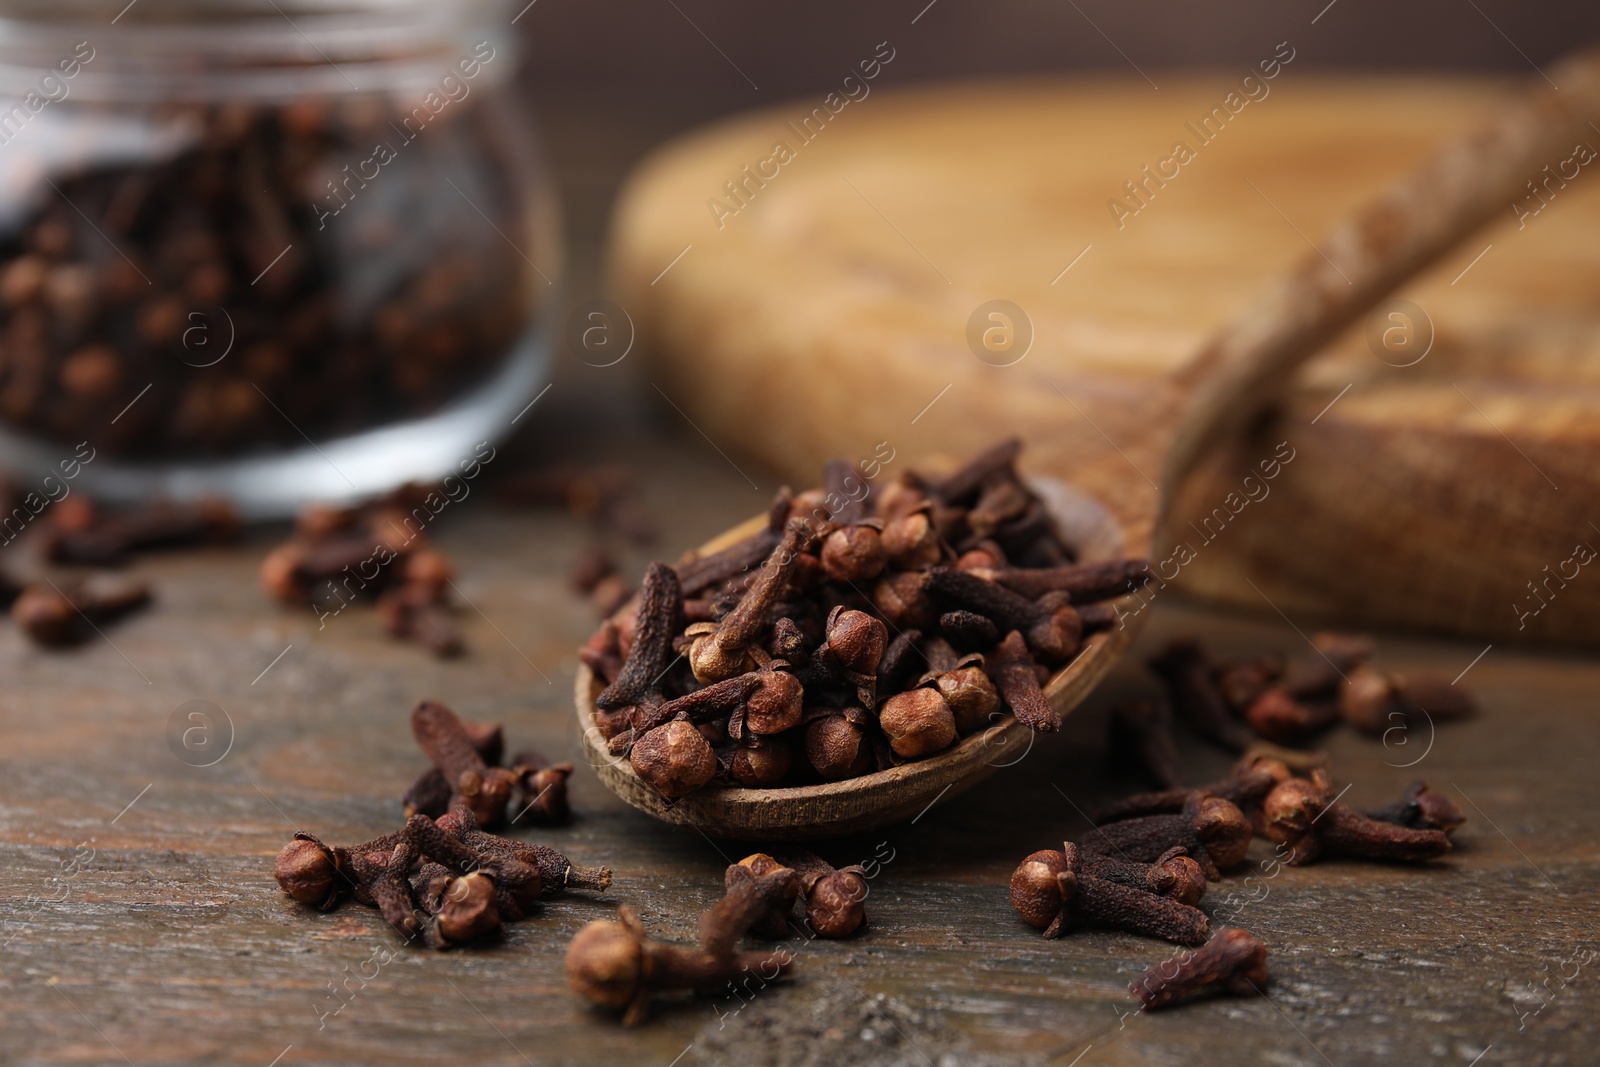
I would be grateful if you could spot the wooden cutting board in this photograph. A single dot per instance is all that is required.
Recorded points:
(819, 298)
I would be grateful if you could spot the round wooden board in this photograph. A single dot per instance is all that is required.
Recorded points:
(828, 309)
(832, 809)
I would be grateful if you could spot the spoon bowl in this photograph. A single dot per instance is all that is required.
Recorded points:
(830, 809)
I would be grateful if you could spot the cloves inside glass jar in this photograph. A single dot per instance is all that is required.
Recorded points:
(266, 262)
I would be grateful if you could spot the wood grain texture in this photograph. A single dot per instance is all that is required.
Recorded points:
(830, 311)
(171, 945)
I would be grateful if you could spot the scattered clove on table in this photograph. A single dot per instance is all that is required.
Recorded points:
(1234, 961)
(835, 898)
(1305, 816)
(377, 553)
(1188, 674)
(79, 531)
(1421, 808)
(1246, 788)
(430, 793)
(1212, 830)
(439, 882)
(1376, 702)
(614, 966)
(72, 612)
(450, 747)
(1053, 889)
(542, 790)
(531, 791)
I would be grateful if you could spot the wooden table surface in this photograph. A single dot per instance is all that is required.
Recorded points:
(139, 922)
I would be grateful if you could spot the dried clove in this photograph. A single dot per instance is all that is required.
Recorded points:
(1051, 889)
(1374, 702)
(557, 874)
(375, 552)
(1014, 675)
(911, 541)
(430, 793)
(1173, 875)
(448, 746)
(660, 605)
(773, 706)
(381, 880)
(1234, 961)
(759, 762)
(1280, 717)
(969, 630)
(900, 659)
(996, 460)
(1421, 808)
(835, 899)
(788, 643)
(1241, 681)
(615, 966)
(464, 907)
(1083, 583)
(917, 722)
(722, 650)
(973, 700)
(416, 611)
(1183, 666)
(72, 613)
(543, 789)
(854, 554)
(782, 890)
(1246, 788)
(1050, 626)
(452, 841)
(80, 532)
(674, 759)
(312, 873)
(717, 700)
(1214, 831)
(836, 744)
(1303, 814)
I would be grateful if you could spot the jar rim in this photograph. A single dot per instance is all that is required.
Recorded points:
(257, 50)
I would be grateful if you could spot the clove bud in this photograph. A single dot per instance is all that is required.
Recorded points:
(1234, 961)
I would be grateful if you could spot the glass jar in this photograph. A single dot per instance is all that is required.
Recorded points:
(276, 251)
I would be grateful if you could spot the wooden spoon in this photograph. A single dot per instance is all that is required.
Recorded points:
(1234, 376)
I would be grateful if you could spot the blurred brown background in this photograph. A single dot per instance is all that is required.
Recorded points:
(659, 48)
(610, 79)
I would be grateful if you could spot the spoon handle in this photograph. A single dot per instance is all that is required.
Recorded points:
(1394, 237)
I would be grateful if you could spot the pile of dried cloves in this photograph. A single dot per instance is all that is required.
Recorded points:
(770, 662)
(466, 770)
(1146, 864)
(441, 881)
(341, 556)
(1233, 703)
(77, 532)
